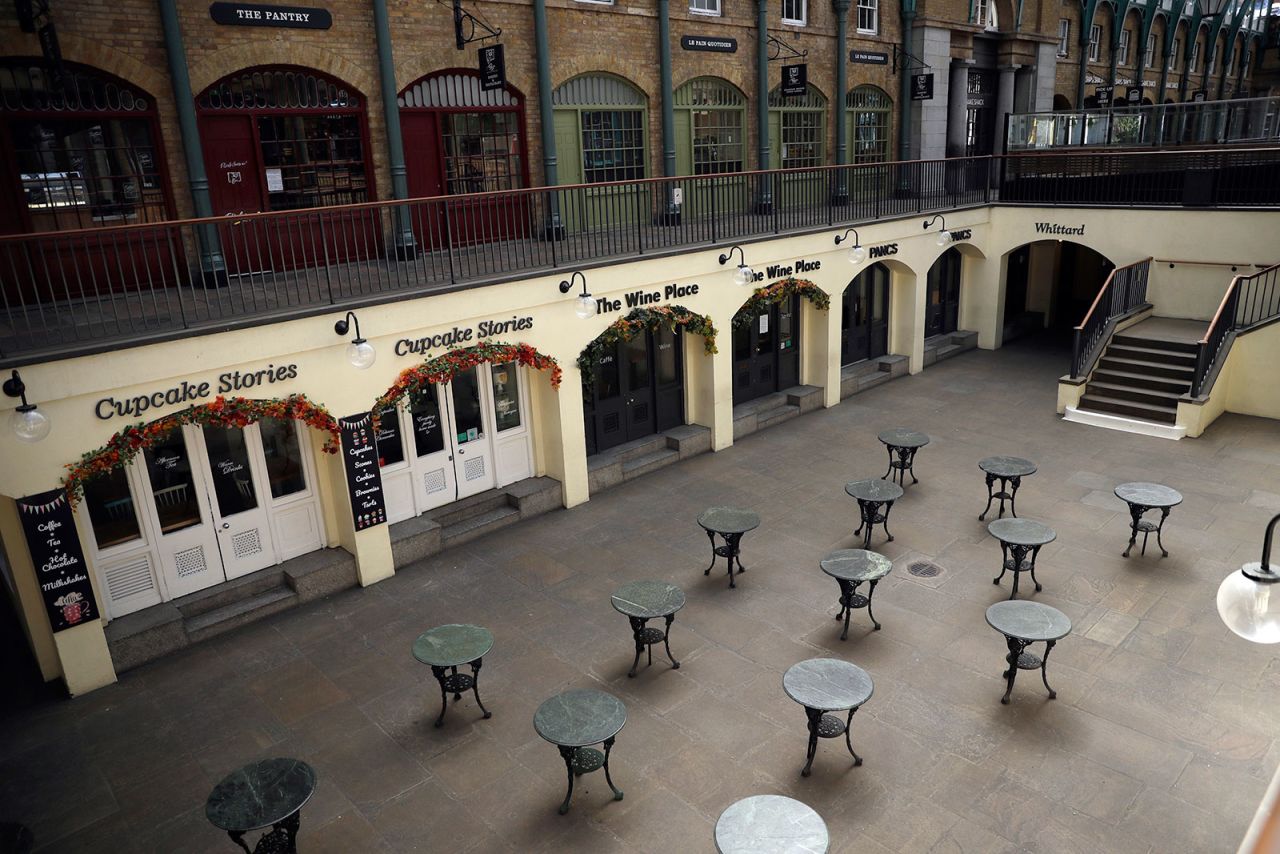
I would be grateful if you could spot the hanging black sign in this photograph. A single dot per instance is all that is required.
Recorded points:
(256, 15)
(364, 480)
(869, 57)
(1199, 95)
(922, 87)
(795, 80)
(1134, 95)
(493, 68)
(1103, 94)
(714, 44)
(55, 552)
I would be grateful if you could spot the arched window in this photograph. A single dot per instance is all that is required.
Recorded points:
(710, 115)
(797, 128)
(600, 129)
(870, 113)
(80, 151)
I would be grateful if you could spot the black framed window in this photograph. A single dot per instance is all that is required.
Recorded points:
(612, 145)
(482, 152)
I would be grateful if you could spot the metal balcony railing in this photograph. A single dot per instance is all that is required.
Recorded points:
(1250, 301)
(1240, 121)
(77, 292)
(1124, 291)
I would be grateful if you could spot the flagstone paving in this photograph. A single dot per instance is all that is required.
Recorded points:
(1162, 738)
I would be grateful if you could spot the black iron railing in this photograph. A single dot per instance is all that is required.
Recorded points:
(1124, 291)
(1249, 301)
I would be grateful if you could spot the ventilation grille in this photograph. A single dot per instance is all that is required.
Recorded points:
(433, 481)
(246, 543)
(610, 423)
(190, 561)
(130, 579)
(640, 413)
(924, 569)
(473, 469)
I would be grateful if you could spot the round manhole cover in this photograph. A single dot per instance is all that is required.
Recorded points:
(924, 569)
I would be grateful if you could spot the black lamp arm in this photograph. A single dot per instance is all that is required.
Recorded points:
(843, 237)
(343, 326)
(15, 387)
(742, 257)
(567, 284)
(935, 218)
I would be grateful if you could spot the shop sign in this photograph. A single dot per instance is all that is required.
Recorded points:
(493, 68)
(364, 479)
(1055, 228)
(795, 80)
(460, 336)
(783, 271)
(1133, 95)
(1199, 95)
(1103, 94)
(961, 234)
(256, 15)
(58, 559)
(922, 87)
(882, 251)
(637, 299)
(714, 44)
(869, 57)
(189, 391)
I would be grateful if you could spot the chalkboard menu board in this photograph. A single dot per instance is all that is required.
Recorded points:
(364, 481)
(59, 562)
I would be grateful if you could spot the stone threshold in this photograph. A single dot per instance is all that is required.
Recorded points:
(939, 347)
(860, 376)
(755, 415)
(649, 453)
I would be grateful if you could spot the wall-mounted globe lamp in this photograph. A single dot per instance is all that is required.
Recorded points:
(944, 236)
(744, 275)
(28, 423)
(585, 304)
(1249, 598)
(360, 353)
(857, 253)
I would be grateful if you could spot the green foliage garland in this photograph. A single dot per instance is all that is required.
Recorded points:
(672, 317)
(781, 290)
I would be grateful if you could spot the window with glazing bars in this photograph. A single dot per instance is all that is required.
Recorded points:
(717, 141)
(1122, 53)
(1195, 57)
(320, 158)
(980, 12)
(801, 139)
(1173, 54)
(793, 11)
(612, 145)
(704, 7)
(869, 16)
(871, 111)
(481, 152)
(1064, 37)
(1149, 60)
(1095, 43)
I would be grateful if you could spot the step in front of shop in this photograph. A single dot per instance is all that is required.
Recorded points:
(641, 456)
(941, 347)
(873, 372)
(755, 415)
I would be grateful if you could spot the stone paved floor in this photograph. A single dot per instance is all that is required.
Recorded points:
(1162, 738)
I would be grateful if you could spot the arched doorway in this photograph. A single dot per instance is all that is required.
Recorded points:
(766, 349)
(798, 140)
(602, 136)
(710, 129)
(1061, 104)
(864, 316)
(942, 294)
(1049, 286)
(636, 389)
(459, 138)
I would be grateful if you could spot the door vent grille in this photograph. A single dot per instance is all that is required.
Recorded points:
(610, 423)
(190, 561)
(246, 543)
(640, 413)
(433, 481)
(130, 578)
(473, 469)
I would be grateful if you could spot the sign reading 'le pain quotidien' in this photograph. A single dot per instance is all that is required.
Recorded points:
(364, 480)
(257, 15)
(58, 559)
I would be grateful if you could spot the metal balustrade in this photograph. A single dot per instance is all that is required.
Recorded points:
(1124, 292)
(77, 292)
(1250, 301)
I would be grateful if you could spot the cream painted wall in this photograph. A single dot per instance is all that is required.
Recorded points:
(1254, 386)
(1189, 290)
(1042, 272)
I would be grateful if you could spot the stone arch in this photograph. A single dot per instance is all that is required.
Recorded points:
(1033, 282)
(222, 63)
(95, 54)
(599, 88)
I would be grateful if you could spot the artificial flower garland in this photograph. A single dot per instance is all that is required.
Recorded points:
(443, 368)
(672, 317)
(780, 290)
(121, 448)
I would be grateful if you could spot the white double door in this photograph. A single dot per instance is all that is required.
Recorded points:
(454, 440)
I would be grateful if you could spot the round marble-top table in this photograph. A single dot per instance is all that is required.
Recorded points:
(827, 685)
(1022, 624)
(730, 523)
(1142, 497)
(270, 793)
(1009, 471)
(573, 721)
(871, 495)
(446, 648)
(770, 824)
(851, 568)
(641, 601)
(902, 445)
(1020, 543)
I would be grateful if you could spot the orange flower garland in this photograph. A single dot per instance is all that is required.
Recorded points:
(777, 292)
(121, 448)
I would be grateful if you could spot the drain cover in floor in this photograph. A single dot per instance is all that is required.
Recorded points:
(924, 569)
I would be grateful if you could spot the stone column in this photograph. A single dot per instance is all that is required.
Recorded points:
(957, 106)
(1004, 106)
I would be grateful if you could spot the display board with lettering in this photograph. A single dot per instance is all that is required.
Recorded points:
(493, 67)
(257, 15)
(55, 550)
(795, 80)
(364, 479)
(922, 87)
(714, 44)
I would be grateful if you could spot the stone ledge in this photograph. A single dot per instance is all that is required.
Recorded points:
(628, 461)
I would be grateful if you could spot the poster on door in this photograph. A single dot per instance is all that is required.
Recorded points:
(59, 562)
(364, 480)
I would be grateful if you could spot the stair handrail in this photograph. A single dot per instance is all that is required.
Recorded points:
(1125, 289)
(1261, 303)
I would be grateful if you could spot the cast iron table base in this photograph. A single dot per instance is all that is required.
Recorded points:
(584, 760)
(1015, 560)
(1146, 528)
(729, 551)
(1009, 471)
(900, 467)
(453, 682)
(1142, 497)
(1019, 659)
(850, 598)
(827, 726)
(646, 638)
(870, 515)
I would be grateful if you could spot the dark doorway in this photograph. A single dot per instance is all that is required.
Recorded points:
(20, 682)
(766, 351)
(980, 112)
(1049, 286)
(942, 311)
(637, 390)
(864, 321)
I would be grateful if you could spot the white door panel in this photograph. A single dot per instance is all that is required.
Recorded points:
(178, 508)
(237, 498)
(296, 528)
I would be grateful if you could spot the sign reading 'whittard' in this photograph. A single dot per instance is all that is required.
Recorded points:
(1055, 228)
(58, 559)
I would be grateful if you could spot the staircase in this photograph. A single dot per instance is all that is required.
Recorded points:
(1141, 377)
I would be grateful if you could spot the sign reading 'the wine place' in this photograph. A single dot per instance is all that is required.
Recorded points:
(59, 561)
(364, 479)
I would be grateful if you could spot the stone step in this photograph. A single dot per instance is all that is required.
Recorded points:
(1130, 408)
(650, 462)
(946, 351)
(1133, 392)
(473, 527)
(777, 415)
(1127, 378)
(230, 592)
(472, 505)
(1137, 366)
(1151, 354)
(227, 617)
(1154, 343)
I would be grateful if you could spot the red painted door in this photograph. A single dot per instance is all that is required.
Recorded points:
(420, 132)
(232, 163)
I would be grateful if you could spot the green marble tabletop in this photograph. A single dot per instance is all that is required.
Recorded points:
(452, 645)
(260, 794)
(580, 717)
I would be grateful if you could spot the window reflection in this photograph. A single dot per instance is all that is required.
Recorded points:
(229, 464)
(466, 406)
(388, 439)
(284, 457)
(111, 510)
(172, 485)
(506, 396)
